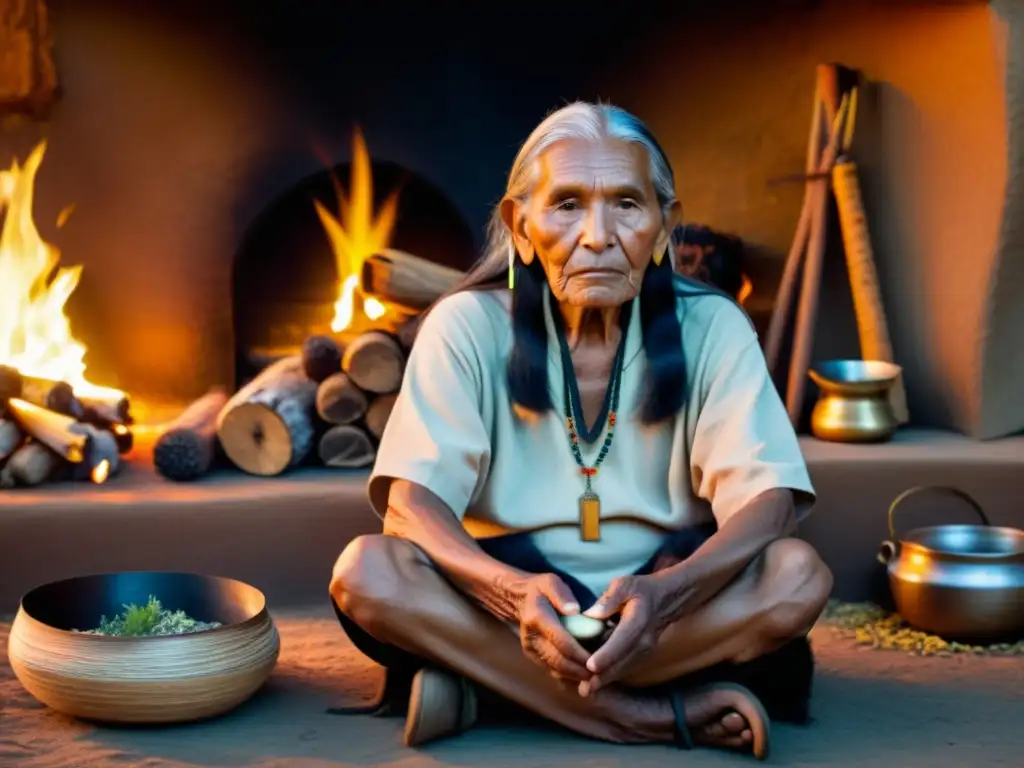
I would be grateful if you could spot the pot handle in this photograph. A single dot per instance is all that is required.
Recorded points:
(886, 552)
(942, 489)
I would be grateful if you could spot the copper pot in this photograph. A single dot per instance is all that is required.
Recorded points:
(963, 582)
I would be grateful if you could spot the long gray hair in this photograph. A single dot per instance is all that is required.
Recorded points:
(579, 120)
(527, 370)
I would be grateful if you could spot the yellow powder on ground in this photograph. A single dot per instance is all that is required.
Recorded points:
(872, 626)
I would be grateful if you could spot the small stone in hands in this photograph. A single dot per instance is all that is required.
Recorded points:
(588, 632)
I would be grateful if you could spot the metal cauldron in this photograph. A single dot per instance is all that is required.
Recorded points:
(961, 582)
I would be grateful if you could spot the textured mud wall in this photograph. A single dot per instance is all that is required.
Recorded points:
(939, 152)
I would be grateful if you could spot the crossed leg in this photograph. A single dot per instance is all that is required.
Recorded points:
(390, 588)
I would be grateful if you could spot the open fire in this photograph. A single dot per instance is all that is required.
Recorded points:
(356, 234)
(325, 404)
(55, 422)
(328, 402)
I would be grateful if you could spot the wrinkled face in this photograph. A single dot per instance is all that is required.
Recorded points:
(593, 219)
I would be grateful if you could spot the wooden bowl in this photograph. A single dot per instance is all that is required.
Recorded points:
(168, 679)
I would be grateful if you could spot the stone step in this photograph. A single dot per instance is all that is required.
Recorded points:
(283, 534)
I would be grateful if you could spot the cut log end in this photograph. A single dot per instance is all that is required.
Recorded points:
(375, 362)
(270, 424)
(256, 439)
(186, 449)
(182, 455)
(31, 464)
(347, 447)
(321, 357)
(10, 438)
(339, 401)
(61, 399)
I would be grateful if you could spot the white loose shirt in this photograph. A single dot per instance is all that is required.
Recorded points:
(455, 431)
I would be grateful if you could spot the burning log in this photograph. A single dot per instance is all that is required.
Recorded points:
(122, 434)
(269, 425)
(378, 413)
(346, 446)
(375, 362)
(339, 401)
(10, 438)
(404, 281)
(10, 384)
(61, 399)
(187, 447)
(31, 464)
(102, 456)
(97, 405)
(321, 357)
(54, 430)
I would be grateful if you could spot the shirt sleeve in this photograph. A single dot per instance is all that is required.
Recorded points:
(743, 444)
(435, 436)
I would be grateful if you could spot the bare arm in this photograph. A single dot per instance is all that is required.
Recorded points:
(687, 586)
(420, 517)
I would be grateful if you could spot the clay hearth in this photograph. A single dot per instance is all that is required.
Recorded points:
(286, 280)
(193, 142)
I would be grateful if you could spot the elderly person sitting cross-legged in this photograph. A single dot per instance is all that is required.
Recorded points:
(580, 431)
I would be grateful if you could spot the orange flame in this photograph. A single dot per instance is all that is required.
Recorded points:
(356, 234)
(35, 335)
(746, 289)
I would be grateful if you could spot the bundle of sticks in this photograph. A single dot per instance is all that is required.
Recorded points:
(326, 405)
(49, 431)
(830, 170)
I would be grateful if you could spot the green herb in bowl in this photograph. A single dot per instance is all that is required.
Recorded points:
(149, 620)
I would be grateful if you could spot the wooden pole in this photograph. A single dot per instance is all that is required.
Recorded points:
(807, 312)
(872, 325)
(794, 259)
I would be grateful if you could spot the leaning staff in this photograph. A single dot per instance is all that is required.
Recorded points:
(872, 325)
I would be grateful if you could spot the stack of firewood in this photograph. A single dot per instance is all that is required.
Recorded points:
(327, 405)
(49, 432)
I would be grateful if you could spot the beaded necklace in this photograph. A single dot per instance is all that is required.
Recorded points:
(590, 502)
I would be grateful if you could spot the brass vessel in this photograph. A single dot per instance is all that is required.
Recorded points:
(961, 582)
(854, 405)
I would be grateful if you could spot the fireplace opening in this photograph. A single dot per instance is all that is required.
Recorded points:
(288, 282)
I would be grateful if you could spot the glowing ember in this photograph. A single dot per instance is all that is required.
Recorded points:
(100, 472)
(35, 335)
(356, 234)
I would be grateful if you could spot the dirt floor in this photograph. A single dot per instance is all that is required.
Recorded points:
(872, 708)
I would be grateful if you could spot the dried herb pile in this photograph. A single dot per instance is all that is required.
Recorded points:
(872, 626)
(149, 620)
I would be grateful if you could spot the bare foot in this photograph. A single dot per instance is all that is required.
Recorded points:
(716, 717)
(714, 721)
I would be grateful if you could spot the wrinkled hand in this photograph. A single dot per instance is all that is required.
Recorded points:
(545, 641)
(635, 600)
